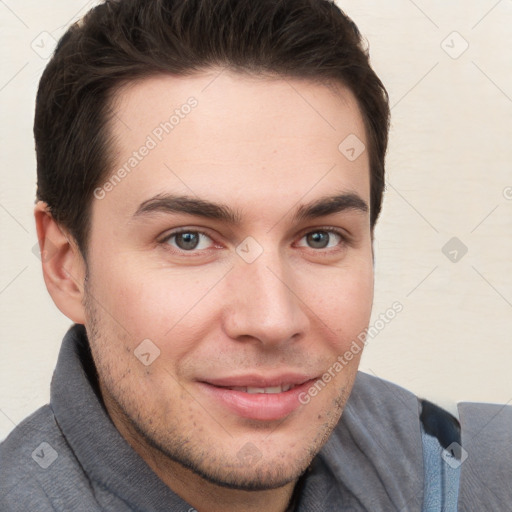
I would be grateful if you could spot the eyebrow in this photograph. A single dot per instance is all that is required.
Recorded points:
(169, 203)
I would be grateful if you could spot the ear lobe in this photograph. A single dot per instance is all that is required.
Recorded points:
(63, 266)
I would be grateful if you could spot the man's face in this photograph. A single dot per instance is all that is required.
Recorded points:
(248, 298)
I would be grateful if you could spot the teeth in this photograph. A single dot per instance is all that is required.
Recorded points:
(252, 391)
(269, 390)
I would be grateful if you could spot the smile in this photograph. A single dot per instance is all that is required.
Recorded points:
(270, 390)
(257, 398)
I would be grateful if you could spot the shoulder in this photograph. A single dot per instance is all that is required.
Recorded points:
(38, 470)
(377, 446)
(18, 450)
(487, 455)
(387, 436)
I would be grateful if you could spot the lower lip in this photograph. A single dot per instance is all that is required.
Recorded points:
(258, 406)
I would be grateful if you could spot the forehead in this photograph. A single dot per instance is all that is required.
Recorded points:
(222, 134)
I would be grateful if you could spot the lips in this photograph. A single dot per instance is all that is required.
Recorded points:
(257, 381)
(256, 397)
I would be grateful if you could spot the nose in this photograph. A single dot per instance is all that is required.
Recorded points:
(264, 304)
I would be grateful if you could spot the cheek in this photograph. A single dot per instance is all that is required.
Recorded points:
(160, 304)
(342, 299)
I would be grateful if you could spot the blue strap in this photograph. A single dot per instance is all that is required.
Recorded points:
(442, 458)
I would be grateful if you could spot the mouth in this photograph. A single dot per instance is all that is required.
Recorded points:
(257, 398)
(253, 390)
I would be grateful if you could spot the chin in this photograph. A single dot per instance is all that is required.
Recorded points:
(247, 470)
(252, 479)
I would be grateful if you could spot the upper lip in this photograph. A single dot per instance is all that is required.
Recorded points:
(259, 381)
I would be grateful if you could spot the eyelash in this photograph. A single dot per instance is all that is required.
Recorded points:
(193, 252)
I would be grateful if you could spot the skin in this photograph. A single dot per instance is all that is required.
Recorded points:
(262, 147)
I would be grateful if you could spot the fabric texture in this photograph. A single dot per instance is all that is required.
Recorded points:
(68, 455)
(442, 458)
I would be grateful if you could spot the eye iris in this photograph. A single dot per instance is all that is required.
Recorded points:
(187, 240)
(318, 240)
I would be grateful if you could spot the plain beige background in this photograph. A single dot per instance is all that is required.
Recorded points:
(448, 70)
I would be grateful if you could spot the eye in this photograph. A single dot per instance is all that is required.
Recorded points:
(322, 239)
(188, 240)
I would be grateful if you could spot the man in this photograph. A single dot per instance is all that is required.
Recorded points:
(210, 173)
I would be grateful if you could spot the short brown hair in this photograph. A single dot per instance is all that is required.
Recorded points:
(122, 40)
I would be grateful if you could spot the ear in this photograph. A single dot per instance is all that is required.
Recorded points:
(64, 269)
